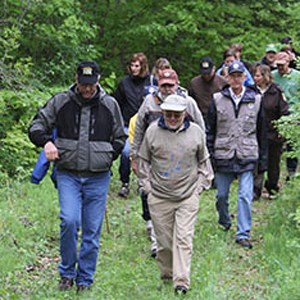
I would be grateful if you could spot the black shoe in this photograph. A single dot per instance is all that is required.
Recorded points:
(124, 191)
(226, 227)
(82, 288)
(256, 197)
(180, 290)
(244, 243)
(153, 253)
(65, 283)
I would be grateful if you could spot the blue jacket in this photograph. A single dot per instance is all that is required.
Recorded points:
(42, 165)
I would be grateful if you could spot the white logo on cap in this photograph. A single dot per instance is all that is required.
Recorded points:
(236, 66)
(87, 71)
(205, 64)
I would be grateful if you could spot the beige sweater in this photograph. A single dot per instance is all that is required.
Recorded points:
(174, 165)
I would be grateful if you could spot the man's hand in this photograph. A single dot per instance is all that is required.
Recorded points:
(135, 166)
(51, 151)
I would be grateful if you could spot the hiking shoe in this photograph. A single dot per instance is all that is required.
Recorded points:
(124, 191)
(180, 290)
(65, 284)
(166, 279)
(225, 227)
(82, 288)
(244, 243)
(153, 253)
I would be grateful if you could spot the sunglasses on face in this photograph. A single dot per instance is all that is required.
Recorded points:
(167, 85)
(174, 114)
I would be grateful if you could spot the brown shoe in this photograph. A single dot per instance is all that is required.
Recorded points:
(245, 243)
(82, 288)
(65, 284)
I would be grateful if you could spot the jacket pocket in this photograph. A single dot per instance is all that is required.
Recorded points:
(101, 156)
(67, 150)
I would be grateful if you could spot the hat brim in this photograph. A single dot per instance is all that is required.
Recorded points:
(167, 80)
(236, 71)
(205, 71)
(280, 62)
(173, 107)
(88, 79)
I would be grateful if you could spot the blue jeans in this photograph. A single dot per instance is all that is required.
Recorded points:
(82, 204)
(124, 168)
(245, 197)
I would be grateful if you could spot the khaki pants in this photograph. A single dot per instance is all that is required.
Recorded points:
(174, 227)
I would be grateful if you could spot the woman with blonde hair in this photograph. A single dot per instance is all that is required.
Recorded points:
(160, 64)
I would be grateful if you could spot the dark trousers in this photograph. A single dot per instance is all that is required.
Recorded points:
(273, 171)
(291, 162)
(124, 168)
(146, 212)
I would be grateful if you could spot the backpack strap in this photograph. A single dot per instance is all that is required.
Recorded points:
(152, 79)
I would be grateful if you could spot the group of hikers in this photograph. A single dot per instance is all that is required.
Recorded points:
(178, 141)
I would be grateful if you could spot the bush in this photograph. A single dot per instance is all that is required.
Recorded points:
(17, 154)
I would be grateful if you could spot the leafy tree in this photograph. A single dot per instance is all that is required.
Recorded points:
(41, 43)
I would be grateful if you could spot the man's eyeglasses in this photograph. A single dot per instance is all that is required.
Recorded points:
(174, 114)
(167, 85)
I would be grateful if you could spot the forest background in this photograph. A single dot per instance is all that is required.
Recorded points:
(41, 42)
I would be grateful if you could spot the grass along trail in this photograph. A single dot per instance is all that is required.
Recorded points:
(221, 269)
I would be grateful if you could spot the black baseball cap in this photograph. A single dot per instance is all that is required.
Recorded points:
(88, 72)
(206, 65)
(287, 40)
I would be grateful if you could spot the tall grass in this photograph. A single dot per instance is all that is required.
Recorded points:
(29, 247)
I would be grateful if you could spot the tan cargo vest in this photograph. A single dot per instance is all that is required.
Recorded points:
(236, 136)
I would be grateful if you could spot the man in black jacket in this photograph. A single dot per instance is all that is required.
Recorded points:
(90, 136)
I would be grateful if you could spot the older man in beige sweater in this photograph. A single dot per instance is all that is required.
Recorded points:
(174, 169)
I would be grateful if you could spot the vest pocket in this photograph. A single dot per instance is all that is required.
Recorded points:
(249, 123)
(248, 149)
(223, 148)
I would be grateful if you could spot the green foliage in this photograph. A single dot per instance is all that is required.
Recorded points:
(282, 242)
(17, 153)
(54, 35)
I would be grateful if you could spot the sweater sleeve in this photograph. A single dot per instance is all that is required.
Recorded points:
(195, 113)
(205, 170)
(145, 166)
